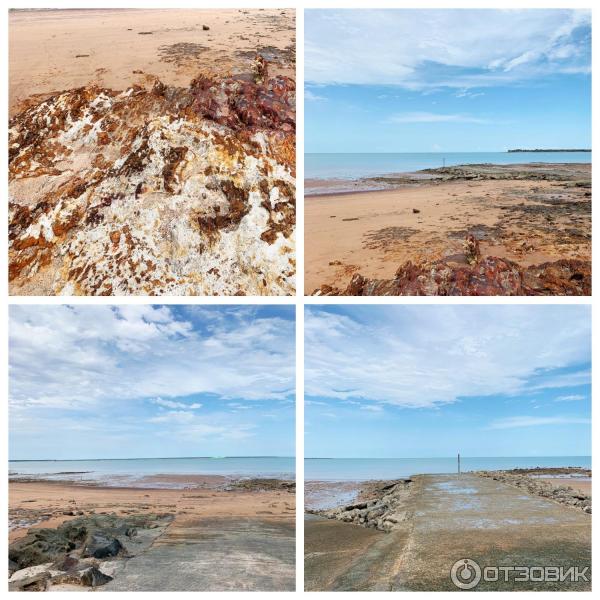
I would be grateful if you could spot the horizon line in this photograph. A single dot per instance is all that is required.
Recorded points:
(509, 151)
(145, 458)
(444, 457)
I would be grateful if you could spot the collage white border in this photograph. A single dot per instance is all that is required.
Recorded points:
(299, 300)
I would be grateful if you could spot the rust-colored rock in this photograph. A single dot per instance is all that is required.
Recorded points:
(491, 276)
(179, 191)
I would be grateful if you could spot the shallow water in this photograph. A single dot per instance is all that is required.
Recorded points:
(130, 471)
(354, 166)
(362, 469)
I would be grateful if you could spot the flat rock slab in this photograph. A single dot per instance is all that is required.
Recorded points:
(225, 554)
(470, 517)
(344, 556)
(449, 518)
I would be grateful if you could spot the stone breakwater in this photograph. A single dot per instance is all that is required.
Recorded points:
(178, 191)
(87, 551)
(480, 276)
(564, 494)
(382, 506)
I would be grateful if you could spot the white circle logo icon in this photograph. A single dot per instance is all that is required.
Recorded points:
(465, 574)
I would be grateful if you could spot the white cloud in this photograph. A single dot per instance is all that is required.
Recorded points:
(420, 49)
(174, 405)
(526, 421)
(82, 356)
(571, 398)
(372, 408)
(312, 97)
(188, 425)
(430, 355)
(427, 117)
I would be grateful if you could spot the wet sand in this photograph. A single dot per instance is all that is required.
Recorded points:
(54, 50)
(30, 501)
(528, 221)
(582, 485)
(224, 540)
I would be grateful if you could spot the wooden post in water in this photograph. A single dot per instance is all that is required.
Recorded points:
(459, 463)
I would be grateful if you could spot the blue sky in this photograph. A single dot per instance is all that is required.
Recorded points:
(433, 380)
(151, 381)
(447, 80)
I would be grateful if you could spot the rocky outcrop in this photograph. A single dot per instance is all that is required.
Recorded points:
(563, 494)
(70, 553)
(489, 276)
(263, 484)
(155, 191)
(513, 172)
(386, 510)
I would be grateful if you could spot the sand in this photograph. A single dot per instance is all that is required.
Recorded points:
(28, 501)
(54, 50)
(373, 233)
(582, 485)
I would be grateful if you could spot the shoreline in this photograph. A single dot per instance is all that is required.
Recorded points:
(315, 187)
(331, 494)
(157, 481)
(522, 218)
(152, 537)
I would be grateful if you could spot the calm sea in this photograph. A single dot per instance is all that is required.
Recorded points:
(355, 166)
(103, 470)
(361, 469)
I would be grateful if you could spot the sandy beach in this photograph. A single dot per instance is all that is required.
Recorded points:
(405, 535)
(212, 515)
(117, 48)
(526, 214)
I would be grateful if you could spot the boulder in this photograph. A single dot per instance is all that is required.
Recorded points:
(93, 577)
(35, 577)
(12, 567)
(102, 546)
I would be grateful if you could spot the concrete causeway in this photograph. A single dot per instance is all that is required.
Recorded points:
(449, 518)
(216, 554)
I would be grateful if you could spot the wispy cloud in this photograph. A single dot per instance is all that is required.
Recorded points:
(527, 421)
(98, 381)
(174, 405)
(427, 117)
(464, 93)
(312, 97)
(77, 356)
(570, 398)
(372, 408)
(430, 355)
(423, 49)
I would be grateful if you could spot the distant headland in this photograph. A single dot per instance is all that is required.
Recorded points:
(550, 150)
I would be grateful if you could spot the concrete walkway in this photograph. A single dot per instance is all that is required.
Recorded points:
(455, 517)
(236, 554)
